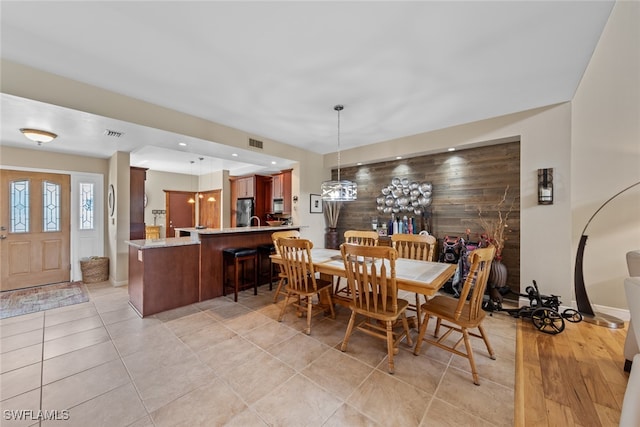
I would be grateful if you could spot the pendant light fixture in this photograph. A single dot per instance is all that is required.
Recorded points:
(191, 199)
(200, 195)
(211, 198)
(339, 190)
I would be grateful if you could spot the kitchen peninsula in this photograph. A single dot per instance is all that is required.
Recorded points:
(177, 271)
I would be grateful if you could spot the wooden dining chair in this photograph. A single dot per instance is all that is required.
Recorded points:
(371, 276)
(282, 275)
(461, 315)
(361, 237)
(356, 237)
(419, 247)
(302, 282)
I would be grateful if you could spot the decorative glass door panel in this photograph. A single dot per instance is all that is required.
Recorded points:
(34, 229)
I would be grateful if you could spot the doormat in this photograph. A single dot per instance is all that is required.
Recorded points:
(38, 298)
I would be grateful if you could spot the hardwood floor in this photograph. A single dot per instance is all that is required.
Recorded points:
(574, 378)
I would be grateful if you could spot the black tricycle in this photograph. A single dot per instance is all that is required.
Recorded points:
(542, 310)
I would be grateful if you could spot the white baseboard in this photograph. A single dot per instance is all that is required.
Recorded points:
(620, 313)
(120, 283)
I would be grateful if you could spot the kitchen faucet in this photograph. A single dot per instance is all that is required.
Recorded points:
(249, 224)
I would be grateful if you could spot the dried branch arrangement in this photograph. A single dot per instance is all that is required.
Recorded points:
(495, 227)
(331, 213)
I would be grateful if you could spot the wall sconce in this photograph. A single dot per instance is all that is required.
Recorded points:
(545, 186)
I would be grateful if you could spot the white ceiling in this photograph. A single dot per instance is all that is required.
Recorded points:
(276, 69)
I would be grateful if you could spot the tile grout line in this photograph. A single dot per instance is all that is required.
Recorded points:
(135, 387)
(42, 363)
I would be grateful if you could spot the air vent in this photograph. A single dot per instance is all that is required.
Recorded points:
(113, 133)
(255, 143)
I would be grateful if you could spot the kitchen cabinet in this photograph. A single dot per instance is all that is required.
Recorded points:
(163, 276)
(281, 188)
(254, 186)
(277, 186)
(137, 177)
(245, 187)
(263, 189)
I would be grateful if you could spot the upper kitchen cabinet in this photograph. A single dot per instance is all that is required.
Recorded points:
(245, 187)
(281, 189)
(277, 186)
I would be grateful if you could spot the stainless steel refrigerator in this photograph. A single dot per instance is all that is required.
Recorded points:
(244, 211)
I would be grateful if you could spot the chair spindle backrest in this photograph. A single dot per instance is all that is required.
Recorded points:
(371, 274)
(476, 281)
(298, 265)
(288, 234)
(414, 246)
(361, 237)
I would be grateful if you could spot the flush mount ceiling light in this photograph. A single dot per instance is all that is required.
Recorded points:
(339, 190)
(38, 136)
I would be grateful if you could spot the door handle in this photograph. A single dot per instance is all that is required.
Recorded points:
(2, 227)
(3, 237)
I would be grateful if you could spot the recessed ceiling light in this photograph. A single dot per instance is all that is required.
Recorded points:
(182, 144)
(398, 157)
(359, 164)
(451, 149)
(273, 162)
(235, 154)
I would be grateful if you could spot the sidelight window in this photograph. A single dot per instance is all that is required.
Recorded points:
(87, 206)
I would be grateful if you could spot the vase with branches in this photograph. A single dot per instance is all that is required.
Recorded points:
(331, 214)
(496, 227)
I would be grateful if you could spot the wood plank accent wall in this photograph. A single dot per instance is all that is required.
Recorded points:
(463, 181)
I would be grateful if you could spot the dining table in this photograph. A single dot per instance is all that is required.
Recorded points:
(421, 277)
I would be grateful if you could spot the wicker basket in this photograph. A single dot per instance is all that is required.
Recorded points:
(94, 269)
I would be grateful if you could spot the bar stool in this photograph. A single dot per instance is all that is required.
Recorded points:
(264, 253)
(238, 257)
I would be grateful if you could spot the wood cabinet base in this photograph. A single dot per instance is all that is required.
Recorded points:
(163, 278)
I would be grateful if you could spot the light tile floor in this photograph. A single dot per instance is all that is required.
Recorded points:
(224, 363)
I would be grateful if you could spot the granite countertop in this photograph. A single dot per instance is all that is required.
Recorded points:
(162, 243)
(230, 230)
(195, 233)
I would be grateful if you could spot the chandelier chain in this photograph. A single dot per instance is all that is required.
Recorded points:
(338, 108)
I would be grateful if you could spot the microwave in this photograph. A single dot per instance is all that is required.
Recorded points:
(278, 205)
